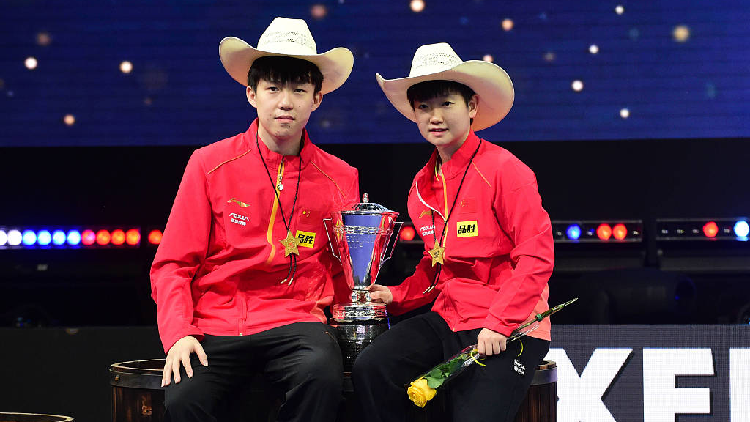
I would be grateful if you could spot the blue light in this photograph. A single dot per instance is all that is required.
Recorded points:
(43, 238)
(574, 232)
(741, 228)
(58, 237)
(74, 237)
(29, 237)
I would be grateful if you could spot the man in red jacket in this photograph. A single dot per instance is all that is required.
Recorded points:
(488, 250)
(243, 271)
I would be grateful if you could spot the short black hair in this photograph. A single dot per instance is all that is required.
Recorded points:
(428, 90)
(284, 69)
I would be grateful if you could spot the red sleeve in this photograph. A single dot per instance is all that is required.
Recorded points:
(519, 212)
(180, 255)
(410, 294)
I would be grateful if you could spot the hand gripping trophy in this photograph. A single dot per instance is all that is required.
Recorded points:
(362, 239)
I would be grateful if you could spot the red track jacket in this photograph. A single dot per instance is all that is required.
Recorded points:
(498, 244)
(219, 267)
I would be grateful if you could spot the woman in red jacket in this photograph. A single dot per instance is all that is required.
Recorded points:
(488, 250)
(243, 272)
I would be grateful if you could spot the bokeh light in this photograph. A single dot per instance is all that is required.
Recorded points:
(44, 238)
(488, 58)
(624, 113)
(133, 237)
(103, 237)
(318, 11)
(69, 119)
(741, 228)
(407, 233)
(573, 232)
(43, 39)
(29, 237)
(31, 63)
(681, 33)
(604, 231)
(507, 24)
(126, 67)
(577, 86)
(593, 49)
(710, 229)
(118, 237)
(154, 237)
(619, 9)
(417, 5)
(14, 238)
(58, 237)
(74, 237)
(620, 232)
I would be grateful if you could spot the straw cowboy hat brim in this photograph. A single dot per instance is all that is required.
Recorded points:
(488, 80)
(290, 38)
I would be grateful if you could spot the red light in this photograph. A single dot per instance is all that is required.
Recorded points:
(154, 237)
(88, 237)
(604, 231)
(133, 237)
(103, 237)
(710, 229)
(407, 233)
(118, 237)
(620, 231)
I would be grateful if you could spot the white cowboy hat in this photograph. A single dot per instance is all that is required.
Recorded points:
(439, 62)
(286, 37)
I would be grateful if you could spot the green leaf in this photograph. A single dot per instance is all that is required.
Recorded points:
(434, 382)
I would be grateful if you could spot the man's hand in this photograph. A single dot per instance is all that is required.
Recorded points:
(180, 352)
(381, 294)
(490, 342)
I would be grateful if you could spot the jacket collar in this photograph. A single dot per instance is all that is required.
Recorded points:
(460, 159)
(453, 168)
(274, 158)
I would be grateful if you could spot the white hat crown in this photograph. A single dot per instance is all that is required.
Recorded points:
(434, 62)
(433, 58)
(287, 36)
(291, 38)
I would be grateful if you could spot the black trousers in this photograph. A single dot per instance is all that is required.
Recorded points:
(489, 393)
(302, 359)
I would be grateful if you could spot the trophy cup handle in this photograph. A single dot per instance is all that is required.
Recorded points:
(393, 240)
(328, 224)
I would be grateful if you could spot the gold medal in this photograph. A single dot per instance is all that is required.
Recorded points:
(290, 244)
(437, 254)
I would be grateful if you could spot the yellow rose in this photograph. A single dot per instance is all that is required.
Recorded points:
(420, 393)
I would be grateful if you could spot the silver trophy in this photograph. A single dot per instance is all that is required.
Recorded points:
(362, 239)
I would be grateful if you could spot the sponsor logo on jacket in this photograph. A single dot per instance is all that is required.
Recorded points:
(306, 239)
(238, 219)
(425, 230)
(467, 229)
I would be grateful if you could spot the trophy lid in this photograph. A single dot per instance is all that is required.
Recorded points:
(367, 207)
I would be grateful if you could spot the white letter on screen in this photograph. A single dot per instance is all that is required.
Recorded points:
(739, 384)
(662, 401)
(581, 397)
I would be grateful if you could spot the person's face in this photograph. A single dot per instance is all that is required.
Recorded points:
(283, 109)
(445, 120)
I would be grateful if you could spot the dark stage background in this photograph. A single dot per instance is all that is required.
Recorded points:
(658, 129)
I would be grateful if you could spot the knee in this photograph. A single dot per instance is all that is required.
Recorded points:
(323, 368)
(367, 364)
(180, 400)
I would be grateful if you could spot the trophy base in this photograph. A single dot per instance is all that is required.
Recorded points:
(355, 311)
(353, 337)
(357, 324)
